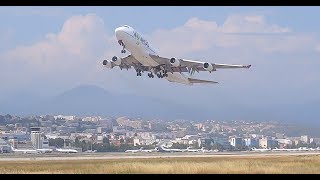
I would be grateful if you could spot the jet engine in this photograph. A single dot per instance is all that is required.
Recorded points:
(175, 62)
(208, 66)
(108, 64)
(116, 60)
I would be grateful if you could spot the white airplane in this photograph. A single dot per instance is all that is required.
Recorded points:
(284, 149)
(44, 150)
(91, 151)
(144, 59)
(303, 149)
(25, 151)
(314, 149)
(172, 150)
(150, 150)
(133, 150)
(66, 150)
(207, 151)
(194, 150)
(260, 150)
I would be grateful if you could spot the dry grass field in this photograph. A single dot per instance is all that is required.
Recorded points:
(301, 164)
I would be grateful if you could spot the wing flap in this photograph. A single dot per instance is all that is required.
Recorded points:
(201, 81)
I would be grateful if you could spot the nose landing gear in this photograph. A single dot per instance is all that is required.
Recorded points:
(122, 44)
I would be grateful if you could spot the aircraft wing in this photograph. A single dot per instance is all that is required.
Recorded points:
(184, 65)
(128, 62)
(187, 65)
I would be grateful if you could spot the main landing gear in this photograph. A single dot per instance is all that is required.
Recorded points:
(150, 75)
(139, 73)
(162, 74)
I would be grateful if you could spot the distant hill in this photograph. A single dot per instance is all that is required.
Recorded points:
(93, 100)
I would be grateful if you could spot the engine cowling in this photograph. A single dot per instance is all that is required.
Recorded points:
(116, 60)
(175, 62)
(208, 66)
(107, 64)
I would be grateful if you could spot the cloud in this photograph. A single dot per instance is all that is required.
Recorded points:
(246, 32)
(63, 57)
(250, 24)
(80, 39)
(317, 48)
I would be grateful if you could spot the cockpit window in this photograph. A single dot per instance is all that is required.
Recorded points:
(126, 26)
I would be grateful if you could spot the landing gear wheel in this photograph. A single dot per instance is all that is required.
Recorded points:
(123, 51)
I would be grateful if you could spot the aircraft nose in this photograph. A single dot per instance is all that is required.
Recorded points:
(119, 32)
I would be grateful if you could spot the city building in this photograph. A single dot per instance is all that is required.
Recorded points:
(305, 139)
(266, 142)
(236, 142)
(67, 118)
(36, 137)
(251, 142)
(45, 143)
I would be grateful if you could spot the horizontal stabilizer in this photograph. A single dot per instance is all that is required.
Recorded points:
(200, 81)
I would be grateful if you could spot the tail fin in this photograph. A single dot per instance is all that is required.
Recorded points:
(191, 80)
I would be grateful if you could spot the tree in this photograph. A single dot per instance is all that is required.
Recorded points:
(106, 141)
(58, 142)
(130, 140)
(217, 146)
(179, 146)
(84, 145)
(195, 145)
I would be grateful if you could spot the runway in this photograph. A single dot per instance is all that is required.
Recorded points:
(101, 156)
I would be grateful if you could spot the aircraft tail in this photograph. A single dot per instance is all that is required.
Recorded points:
(191, 80)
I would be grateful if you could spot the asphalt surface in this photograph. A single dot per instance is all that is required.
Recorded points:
(112, 155)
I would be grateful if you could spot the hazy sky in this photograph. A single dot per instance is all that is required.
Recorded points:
(47, 50)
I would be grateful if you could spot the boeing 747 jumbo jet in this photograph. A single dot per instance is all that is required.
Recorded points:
(144, 59)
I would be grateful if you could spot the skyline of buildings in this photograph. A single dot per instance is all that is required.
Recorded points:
(123, 133)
